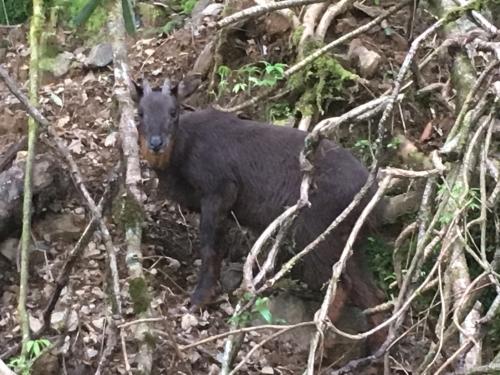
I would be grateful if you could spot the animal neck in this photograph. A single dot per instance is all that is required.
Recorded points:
(179, 149)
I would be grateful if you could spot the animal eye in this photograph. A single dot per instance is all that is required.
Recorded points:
(173, 113)
(141, 113)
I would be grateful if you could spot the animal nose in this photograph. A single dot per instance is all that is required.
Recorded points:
(155, 142)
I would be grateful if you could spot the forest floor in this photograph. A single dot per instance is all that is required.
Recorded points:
(79, 107)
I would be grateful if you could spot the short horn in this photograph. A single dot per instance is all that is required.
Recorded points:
(146, 87)
(166, 89)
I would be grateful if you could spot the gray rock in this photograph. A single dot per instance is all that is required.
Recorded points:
(287, 308)
(212, 10)
(231, 276)
(63, 227)
(368, 61)
(100, 55)
(62, 63)
(8, 249)
(151, 15)
(196, 14)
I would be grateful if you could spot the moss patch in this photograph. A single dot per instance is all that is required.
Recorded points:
(322, 81)
(126, 211)
(139, 294)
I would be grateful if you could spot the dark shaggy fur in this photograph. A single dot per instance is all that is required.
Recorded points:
(218, 163)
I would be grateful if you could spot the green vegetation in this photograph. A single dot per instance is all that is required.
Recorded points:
(457, 200)
(20, 364)
(180, 10)
(321, 82)
(139, 294)
(379, 255)
(14, 11)
(93, 13)
(260, 308)
(187, 6)
(279, 113)
(248, 77)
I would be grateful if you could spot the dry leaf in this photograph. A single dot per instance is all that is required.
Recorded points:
(110, 140)
(62, 121)
(188, 321)
(427, 132)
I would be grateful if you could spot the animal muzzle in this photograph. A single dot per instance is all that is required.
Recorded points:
(156, 143)
(156, 151)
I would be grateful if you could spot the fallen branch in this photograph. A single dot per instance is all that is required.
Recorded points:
(73, 257)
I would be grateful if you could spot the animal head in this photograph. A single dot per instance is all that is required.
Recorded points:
(159, 118)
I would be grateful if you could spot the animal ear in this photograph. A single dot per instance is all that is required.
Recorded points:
(136, 91)
(187, 86)
(146, 87)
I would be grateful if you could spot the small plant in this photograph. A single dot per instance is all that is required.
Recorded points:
(260, 308)
(187, 6)
(380, 262)
(458, 198)
(278, 113)
(394, 143)
(20, 365)
(171, 25)
(23, 364)
(268, 77)
(248, 77)
(363, 145)
(223, 72)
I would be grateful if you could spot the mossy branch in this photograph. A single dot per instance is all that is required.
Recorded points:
(34, 37)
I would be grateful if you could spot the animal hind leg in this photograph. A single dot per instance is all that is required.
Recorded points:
(365, 294)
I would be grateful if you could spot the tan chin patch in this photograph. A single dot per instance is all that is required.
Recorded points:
(157, 160)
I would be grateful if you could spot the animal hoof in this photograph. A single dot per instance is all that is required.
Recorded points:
(202, 297)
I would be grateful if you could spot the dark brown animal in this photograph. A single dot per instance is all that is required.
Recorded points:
(213, 162)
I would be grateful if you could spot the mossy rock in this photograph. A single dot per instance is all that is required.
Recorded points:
(152, 16)
(323, 80)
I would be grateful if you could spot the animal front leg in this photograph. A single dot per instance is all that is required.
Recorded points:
(213, 210)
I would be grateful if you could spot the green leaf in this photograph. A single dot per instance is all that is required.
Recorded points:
(255, 81)
(36, 349)
(223, 71)
(128, 16)
(86, 12)
(250, 69)
(239, 87)
(29, 346)
(261, 306)
(188, 6)
(266, 314)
